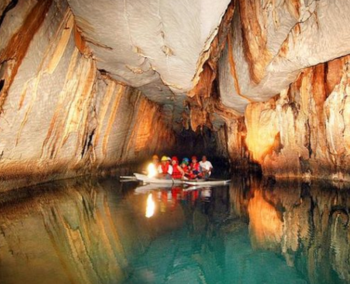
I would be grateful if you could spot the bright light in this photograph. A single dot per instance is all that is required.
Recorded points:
(150, 206)
(151, 170)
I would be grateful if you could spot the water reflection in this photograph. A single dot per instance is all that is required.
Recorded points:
(150, 207)
(254, 231)
(307, 223)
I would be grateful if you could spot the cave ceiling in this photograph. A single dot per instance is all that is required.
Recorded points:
(161, 47)
(155, 46)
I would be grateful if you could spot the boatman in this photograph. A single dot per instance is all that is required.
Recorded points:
(152, 169)
(165, 170)
(206, 167)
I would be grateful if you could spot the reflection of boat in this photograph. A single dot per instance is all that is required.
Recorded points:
(149, 187)
(153, 180)
(197, 187)
(206, 193)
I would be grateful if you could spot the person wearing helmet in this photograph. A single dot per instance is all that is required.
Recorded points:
(185, 167)
(206, 167)
(178, 173)
(186, 161)
(152, 169)
(165, 170)
(195, 171)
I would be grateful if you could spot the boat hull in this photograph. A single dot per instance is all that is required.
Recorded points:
(147, 179)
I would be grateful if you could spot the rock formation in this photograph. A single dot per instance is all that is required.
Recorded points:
(86, 87)
(285, 68)
(60, 117)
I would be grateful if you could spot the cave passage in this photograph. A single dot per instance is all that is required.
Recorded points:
(87, 88)
(91, 91)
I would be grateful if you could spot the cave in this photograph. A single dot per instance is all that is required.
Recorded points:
(91, 90)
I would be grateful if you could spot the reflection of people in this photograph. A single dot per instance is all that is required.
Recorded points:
(194, 195)
(206, 167)
(165, 170)
(152, 169)
(178, 172)
(176, 196)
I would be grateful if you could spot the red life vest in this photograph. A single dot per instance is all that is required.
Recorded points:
(176, 172)
(185, 169)
(195, 171)
(195, 167)
(165, 168)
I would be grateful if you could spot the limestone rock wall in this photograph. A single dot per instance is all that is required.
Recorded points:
(60, 117)
(304, 131)
(270, 78)
(285, 69)
(271, 42)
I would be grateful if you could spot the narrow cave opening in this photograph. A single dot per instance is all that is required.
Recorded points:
(204, 142)
(2, 83)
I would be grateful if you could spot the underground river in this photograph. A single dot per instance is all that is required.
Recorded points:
(103, 231)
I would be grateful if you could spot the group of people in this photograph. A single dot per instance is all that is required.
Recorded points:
(171, 168)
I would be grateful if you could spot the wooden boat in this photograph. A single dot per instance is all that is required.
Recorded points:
(147, 179)
(207, 182)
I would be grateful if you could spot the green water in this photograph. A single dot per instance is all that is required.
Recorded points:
(253, 231)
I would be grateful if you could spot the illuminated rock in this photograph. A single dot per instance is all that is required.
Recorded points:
(272, 42)
(85, 87)
(304, 130)
(60, 116)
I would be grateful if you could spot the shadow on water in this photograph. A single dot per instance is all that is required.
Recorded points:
(253, 231)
